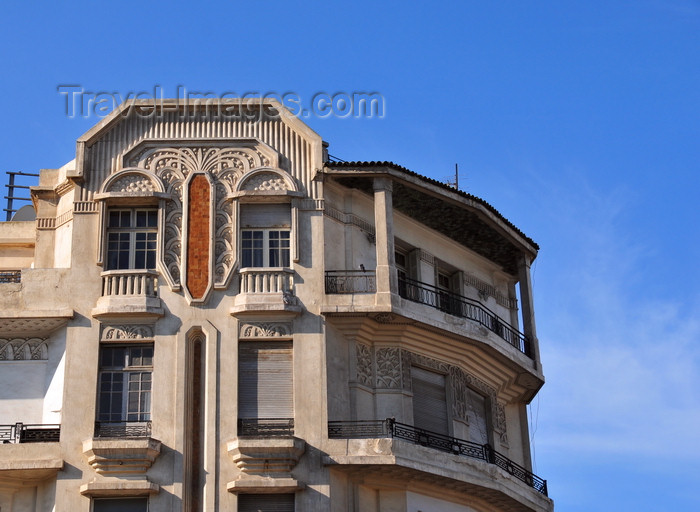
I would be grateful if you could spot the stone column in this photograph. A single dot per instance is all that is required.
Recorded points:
(384, 229)
(527, 308)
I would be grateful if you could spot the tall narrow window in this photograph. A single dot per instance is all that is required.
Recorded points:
(131, 238)
(429, 401)
(265, 388)
(124, 402)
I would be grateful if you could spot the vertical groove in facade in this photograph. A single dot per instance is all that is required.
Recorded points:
(104, 156)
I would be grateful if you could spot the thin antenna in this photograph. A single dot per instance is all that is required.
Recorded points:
(454, 183)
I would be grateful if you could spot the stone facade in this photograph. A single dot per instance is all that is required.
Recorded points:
(208, 314)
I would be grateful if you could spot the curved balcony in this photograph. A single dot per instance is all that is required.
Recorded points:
(463, 307)
(129, 292)
(397, 454)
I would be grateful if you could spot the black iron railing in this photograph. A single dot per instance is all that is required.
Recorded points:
(464, 307)
(10, 276)
(11, 192)
(392, 428)
(351, 281)
(23, 433)
(265, 427)
(122, 429)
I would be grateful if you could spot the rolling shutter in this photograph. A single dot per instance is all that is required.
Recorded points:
(265, 380)
(429, 401)
(265, 216)
(265, 503)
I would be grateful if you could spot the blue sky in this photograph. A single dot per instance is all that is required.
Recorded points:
(578, 120)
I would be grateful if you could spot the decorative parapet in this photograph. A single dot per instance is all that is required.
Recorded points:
(121, 456)
(266, 289)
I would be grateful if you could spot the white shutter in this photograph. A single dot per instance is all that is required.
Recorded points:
(265, 503)
(429, 400)
(265, 216)
(265, 380)
(476, 415)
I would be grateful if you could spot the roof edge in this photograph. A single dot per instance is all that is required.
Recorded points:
(387, 167)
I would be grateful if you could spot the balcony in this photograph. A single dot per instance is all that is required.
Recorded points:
(373, 429)
(350, 281)
(10, 276)
(122, 429)
(129, 292)
(463, 307)
(265, 452)
(21, 433)
(266, 427)
(29, 455)
(269, 289)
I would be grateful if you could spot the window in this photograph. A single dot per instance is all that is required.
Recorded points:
(265, 248)
(265, 388)
(120, 505)
(429, 401)
(131, 238)
(265, 235)
(266, 503)
(125, 384)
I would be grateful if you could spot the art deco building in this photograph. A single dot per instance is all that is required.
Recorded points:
(208, 314)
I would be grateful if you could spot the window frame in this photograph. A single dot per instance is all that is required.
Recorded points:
(126, 370)
(284, 253)
(129, 234)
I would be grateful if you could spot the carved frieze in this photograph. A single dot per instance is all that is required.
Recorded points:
(364, 364)
(126, 332)
(266, 181)
(23, 349)
(265, 330)
(388, 367)
(132, 184)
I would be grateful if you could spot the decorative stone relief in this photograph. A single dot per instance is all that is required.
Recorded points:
(23, 349)
(225, 165)
(384, 318)
(127, 332)
(364, 364)
(460, 381)
(429, 363)
(388, 367)
(132, 183)
(266, 181)
(223, 238)
(406, 370)
(265, 330)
